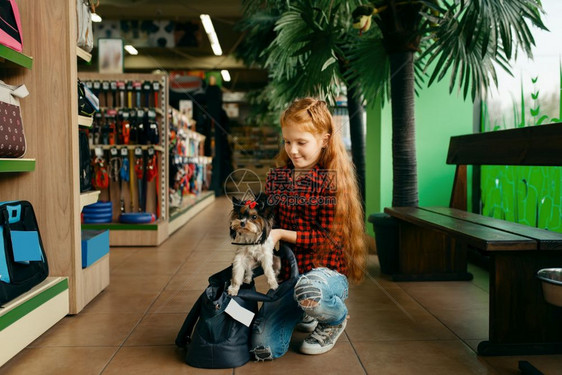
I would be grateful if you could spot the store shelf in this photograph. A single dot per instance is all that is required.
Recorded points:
(191, 207)
(15, 58)
(152, 234)
(17, 165)
(85, 121)
(89, 197)
(27, 317)
(86, 56)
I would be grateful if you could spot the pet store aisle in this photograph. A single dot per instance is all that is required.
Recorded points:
(394, 328)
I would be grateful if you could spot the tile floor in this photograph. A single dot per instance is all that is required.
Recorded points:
(394, 328)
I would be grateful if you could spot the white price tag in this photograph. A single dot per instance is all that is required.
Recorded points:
(239, 313)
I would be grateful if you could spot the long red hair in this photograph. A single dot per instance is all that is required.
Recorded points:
(313, 116)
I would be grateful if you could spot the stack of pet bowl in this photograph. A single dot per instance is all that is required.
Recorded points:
(137, 218)
(551, 285)
(96, 213)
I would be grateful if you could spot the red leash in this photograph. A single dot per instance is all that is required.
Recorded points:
(101, 177)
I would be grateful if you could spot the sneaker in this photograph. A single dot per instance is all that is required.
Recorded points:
(322, 339)
(307, 324)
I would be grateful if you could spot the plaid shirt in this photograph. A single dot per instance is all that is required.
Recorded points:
(307, 206)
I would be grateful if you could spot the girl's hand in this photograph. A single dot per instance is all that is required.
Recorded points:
(283, 234)
(275, 235)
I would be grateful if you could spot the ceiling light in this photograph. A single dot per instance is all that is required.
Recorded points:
(132, 50)
(225, 75)
(96, 17)
(207, 23)
(211, 34)
(216, 47)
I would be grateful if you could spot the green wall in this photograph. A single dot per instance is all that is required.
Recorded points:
(439, 115)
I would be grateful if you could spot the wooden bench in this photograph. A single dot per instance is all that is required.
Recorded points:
(433, 243)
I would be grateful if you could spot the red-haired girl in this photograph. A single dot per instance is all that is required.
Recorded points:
(318, 211)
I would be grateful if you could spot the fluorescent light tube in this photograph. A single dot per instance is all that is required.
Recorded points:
(132, 50)
(216, 47)
(211, 34)
(207, 23)
(225, 75)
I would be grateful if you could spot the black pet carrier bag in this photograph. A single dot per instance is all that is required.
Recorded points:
(213, 338)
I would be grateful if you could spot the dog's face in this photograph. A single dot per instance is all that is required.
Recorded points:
(251, 221)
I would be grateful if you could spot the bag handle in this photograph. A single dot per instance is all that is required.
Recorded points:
(19, 91)
(273, 295)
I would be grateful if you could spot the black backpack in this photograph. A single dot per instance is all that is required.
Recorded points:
(213, 338)
(23, 263)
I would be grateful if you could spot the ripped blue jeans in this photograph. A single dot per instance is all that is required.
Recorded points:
(320, 293)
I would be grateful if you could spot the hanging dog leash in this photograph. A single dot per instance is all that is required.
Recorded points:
(155, 89)
(123, 175)
(101, 177)
(151, 173)
(139, 171)
(131, 182)
(151, 170)
(114, 164)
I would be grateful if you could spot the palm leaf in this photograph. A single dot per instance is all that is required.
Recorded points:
(476, 35)
(307, 55)
(258, 24)
(369, 63)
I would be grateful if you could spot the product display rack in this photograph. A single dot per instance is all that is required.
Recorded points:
(255, 149)
(49, 119)
(191, 195)
(151, 234)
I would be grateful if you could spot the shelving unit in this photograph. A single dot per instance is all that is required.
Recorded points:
(29, 315)
(255, 149)
(193, 206)
(26, 317)
(50, 116)
(186, 151)
(152, 234)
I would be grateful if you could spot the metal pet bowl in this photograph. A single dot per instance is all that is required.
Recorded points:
(551, 285)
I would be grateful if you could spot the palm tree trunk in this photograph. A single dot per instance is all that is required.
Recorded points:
(357, 133)
(405, 177)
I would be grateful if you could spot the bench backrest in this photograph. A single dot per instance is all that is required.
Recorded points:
(535, 145)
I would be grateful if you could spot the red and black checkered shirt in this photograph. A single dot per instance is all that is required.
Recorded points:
(307, 205)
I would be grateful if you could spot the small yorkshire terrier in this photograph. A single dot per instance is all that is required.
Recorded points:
(250, 225)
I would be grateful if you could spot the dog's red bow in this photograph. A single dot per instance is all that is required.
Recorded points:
(250, 204)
